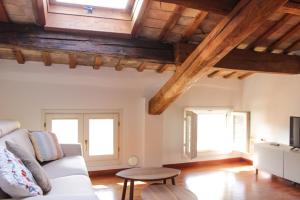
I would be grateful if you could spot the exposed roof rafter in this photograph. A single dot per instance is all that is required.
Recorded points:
(243, 20)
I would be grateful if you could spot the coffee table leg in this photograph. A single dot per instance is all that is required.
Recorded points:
(124, 189)
(165, 181)
(173, 181)
(131, 189)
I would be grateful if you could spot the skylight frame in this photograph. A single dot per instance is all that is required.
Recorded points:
(129, 6)
(102, 21)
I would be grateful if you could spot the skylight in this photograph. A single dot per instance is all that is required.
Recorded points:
(116, 4)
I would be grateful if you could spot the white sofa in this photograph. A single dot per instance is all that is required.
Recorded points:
(68, 176)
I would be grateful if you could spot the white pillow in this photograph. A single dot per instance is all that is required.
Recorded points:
(15, 179)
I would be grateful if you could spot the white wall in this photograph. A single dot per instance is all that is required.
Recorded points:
(25, 90)
(28, 89)
(272, 99)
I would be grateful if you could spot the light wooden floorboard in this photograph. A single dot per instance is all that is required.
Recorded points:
(235, 181)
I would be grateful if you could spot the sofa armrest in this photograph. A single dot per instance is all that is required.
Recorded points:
(72, 149)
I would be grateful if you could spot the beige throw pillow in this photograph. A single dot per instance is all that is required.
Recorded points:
(32, 165)
(46, 146)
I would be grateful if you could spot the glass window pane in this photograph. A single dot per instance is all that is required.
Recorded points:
(66, 130)
(212, 133)
(118, 4)
(101, 137)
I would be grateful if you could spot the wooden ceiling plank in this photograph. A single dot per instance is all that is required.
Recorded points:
(245, 75)
(264, 36)
(229, 75)
(3, 14)
(46, 57)
(39, 11)
(292, 31)
(72, 61)
(214, 74)
(243, 20)
(97, 62)
(223, 7)
(190, 30)
(247, 60)
(172, 21)
(139, 18)
(36, 38)
(19, 56)
(292, 47)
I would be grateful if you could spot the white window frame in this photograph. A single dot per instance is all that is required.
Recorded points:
(230, 113)
(52, 116)
(247, 117)
(115, 117)
(104, 160)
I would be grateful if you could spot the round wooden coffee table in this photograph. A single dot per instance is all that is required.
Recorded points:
(146, 174)
(168, 192)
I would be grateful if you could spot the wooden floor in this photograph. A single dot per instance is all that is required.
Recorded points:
(235, 181)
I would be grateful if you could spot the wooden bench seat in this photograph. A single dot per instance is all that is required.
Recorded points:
(167, 192)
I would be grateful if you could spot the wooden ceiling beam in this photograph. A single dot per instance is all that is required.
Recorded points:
(97, 62)
(172, 21)
(264, 36)
(46, 58)
(163, 68)
(191, 29)
(243, 20)
(12, 35)
(291, 8)
(3, 14)
(229, 75)
(245, 75)
(292, 31)
(19, 56)
(292, 47)
(141, 67)
(214, 74)
(247, 60)
(118, 66)
(72, 61)
(223, 7)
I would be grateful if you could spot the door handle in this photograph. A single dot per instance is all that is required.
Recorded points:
(86, 142)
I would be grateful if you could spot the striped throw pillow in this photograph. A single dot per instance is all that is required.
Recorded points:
(46, 146)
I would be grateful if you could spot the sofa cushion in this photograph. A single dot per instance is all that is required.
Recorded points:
(32, 164)
(71, 185)
(7, 126)
(15, 179)
(46, 146)
(77, 187)
(20, 137)
(66, 197)
(67, 166)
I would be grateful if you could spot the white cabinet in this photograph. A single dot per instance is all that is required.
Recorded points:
(277, 160)
(268, 158)
(292, 166)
